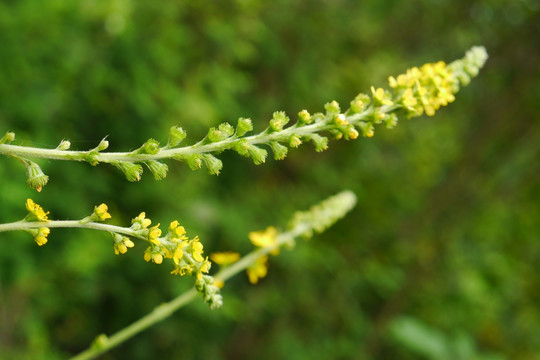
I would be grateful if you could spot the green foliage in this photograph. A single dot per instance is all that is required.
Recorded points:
(446, 227)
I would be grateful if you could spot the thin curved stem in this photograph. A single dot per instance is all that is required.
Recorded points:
(23, 225)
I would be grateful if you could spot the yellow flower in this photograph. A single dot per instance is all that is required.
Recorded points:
(142, 221)
(197, 249)
(381, 97)
(36, 211)
(155, 256)
(121, 245)
(41, 237)
(258, 269)
(265, 238)
(204, 268)
(176, 231)
(101, 212)
(179, 252)
(154, 233)
(225, 258)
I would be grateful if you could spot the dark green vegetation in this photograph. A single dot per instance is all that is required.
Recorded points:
(439, 260)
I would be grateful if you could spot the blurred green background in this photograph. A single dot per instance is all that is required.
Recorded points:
(439, 260)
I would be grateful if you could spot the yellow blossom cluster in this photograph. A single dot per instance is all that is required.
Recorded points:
(424, 89)
(187, 255)
(36, 213)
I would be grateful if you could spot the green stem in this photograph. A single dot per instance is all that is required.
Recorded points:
(108, 157)
(161, 312)
(167, 309)
(23, 225)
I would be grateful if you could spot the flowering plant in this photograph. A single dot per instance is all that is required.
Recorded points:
(418, 91)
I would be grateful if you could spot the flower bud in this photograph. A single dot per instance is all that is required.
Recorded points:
(194, 161)
(244, 126)
(304, 117)
(151, 146)
(351, 133)
(332, 107)
(176, 136)
(132, 171)
(9, 137)
(366, 128)
(257, 154)
(320, 142)
(294, 141)
(241, 147)
(279, 150)
(221, 133)
(226, 129)
(64, 145)
(279, 120)
(103, 145)
(35, 178)
(359, 103)
(213, 164)
(391, 120)
(158, 169)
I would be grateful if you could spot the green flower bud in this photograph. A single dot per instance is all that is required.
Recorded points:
(9, 137)
(200, 284)
(213, 164)
(131, 170)
(226, 129)
(320, 142)
(244, 126)
(351, 133)
(35, 178)
(257, 154)
(158, 169)
(304, 117)
(279, 120)
(176, 136)
(391, 120)
(103, 145)
(241, 147)
(294, 141)
(100, 342)
(359, 103)
(332, 108)
(279, 150)
(151, 146)
(366, 128)
(194, 161)
(223, 131)
(64, 145)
